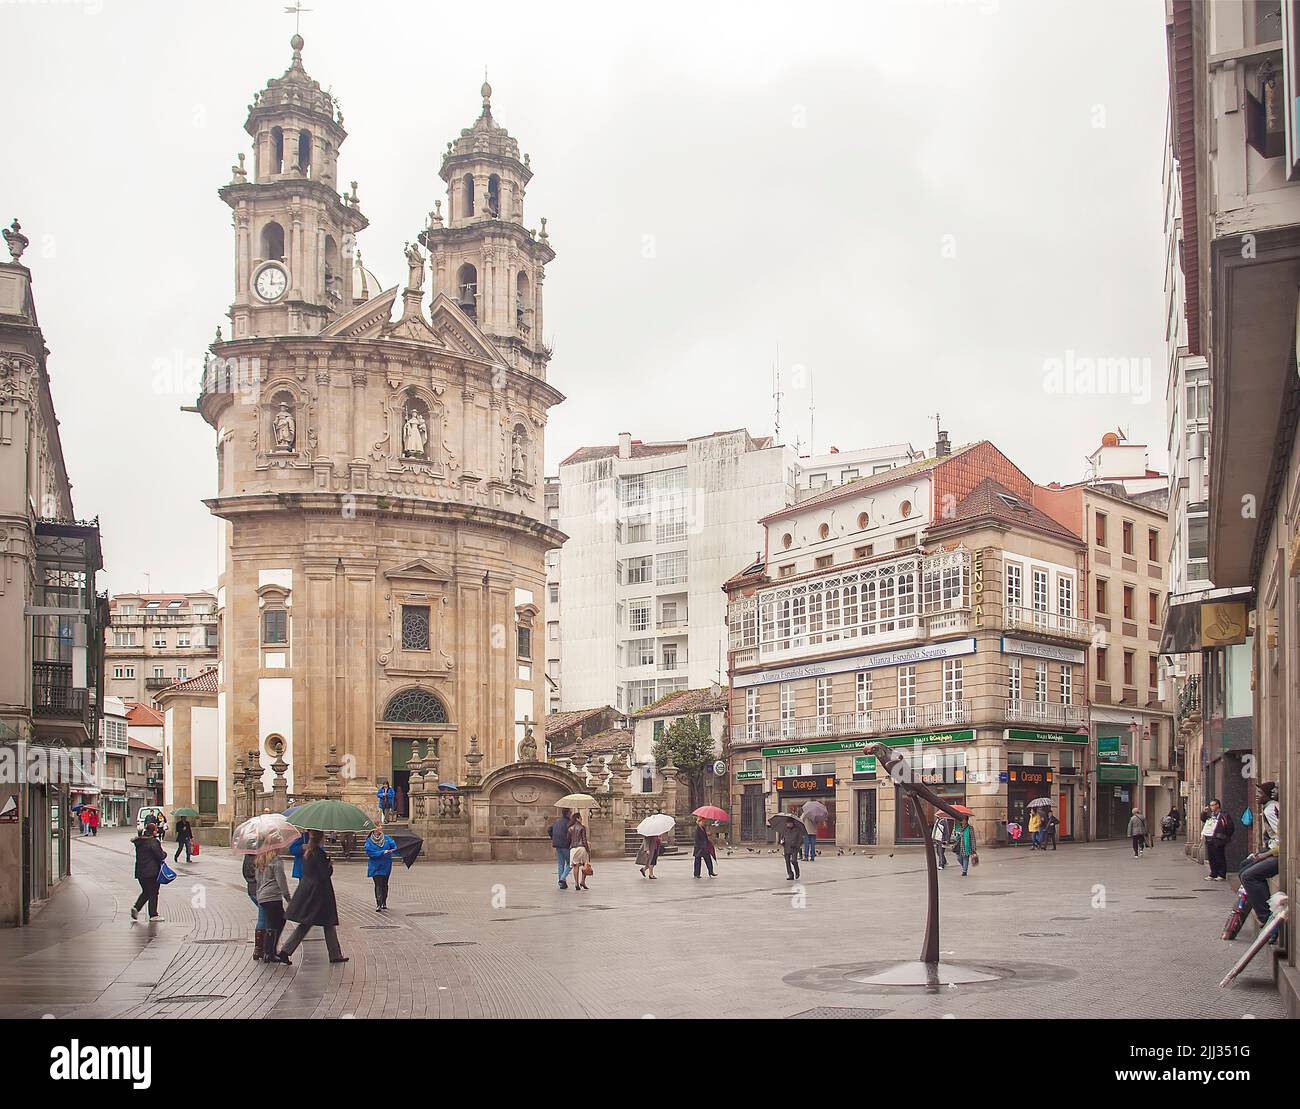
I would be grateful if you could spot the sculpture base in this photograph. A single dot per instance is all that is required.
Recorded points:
(927, 976)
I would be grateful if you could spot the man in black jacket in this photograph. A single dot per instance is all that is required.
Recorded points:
(559, 832)
(150, 857)
(791, 835)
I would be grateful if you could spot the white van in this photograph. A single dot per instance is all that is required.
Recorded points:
(143, 815)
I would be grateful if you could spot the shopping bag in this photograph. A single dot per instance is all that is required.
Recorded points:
(166, 874)
(194, 848)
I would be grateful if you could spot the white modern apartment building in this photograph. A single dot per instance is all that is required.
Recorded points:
(552, 604)
(825, 471)
(654, 529)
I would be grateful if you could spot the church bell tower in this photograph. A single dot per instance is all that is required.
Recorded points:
(295, 237)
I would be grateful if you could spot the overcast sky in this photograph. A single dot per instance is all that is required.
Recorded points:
(926, 205)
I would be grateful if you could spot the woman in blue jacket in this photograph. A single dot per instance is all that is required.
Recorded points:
(380, 849)
(295, 850)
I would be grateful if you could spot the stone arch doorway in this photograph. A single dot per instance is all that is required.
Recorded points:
(411, 715)
(515, 806)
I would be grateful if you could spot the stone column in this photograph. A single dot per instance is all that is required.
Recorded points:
(359, 377)
(469, 465)
(415, 786)
(240, 801)
(280, 785)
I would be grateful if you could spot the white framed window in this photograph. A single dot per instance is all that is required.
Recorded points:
(159, 672)
(1040, 682)
(1040, 590)
(906, 694)
(182, 672)
(863, 701)
(631, 489)
(553, 631)
(126, 610)
(1015, 585)
(751, 717)
(952, 689)
(787, 709)
(1067, 684)
(638, 614)
(124, 639)
(639, 570)
(638, 529)
(182, 640)
(823, 705)
(1013, 679)
(119, 671)
(670, 526)
(640, 694)
(670, 567)
(1065, 595)
(159, 640)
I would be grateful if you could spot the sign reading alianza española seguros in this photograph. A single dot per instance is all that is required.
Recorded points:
(901, 657)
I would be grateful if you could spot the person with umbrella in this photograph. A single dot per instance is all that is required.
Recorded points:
(380, 849)
(790, 834)
(559, 833)
(940, 834)
(272, 893)
(704, 850)
(579, 851)
(648, 855)
(813, 814)
(313, 903)
(966, 847)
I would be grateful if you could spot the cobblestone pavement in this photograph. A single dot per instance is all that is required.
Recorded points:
(1086, 931)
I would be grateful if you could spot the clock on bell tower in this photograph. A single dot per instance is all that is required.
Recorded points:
(295, 237)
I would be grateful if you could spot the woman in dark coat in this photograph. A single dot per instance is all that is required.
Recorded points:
(313, 902)
(704, 849)
(184, 839)
(150, 855)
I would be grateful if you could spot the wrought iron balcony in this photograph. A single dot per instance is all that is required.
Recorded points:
(53, 693)
(1048, 623)
(1045, 712)
(1189, 698)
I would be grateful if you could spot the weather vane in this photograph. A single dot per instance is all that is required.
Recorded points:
(296, 11)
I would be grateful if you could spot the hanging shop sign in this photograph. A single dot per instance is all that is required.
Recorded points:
(1223, 623)
(1108, 748)
(903, 656)
(806, 783)
(1029, 735)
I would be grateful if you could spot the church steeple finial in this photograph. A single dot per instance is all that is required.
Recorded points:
(486, 93)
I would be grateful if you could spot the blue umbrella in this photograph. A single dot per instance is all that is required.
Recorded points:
(448, 786)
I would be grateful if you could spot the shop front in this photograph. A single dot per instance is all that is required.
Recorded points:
(945, 773)
(1117, 797)
(1048, 765)
(793, 793)
(1026, 784)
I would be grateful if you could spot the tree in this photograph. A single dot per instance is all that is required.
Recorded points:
(688, 742)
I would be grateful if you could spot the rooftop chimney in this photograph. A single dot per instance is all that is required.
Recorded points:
(625, 444)
(942, 448)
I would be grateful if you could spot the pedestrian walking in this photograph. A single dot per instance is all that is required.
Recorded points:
(559, 833)
(579, 851)
(150, 858)
(162, 827)
(387, 799)
(1053, 824)
(809, 837)
(1216, 830)
(92, 821)
(967, 851)
(249, 871)
(380, 849)
(705, 852)
(1259, 867)
(184, 839)
(1036, 830)
(1137, 831)
(295, 853)
(272, 892)
(313, 904)
(1169, 825)
(792, 836)
(648, 854)
(940, 834)
(83, 818)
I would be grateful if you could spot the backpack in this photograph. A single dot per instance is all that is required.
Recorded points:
(1247, 818)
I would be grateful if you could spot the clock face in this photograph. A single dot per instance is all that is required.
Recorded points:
(271, 282)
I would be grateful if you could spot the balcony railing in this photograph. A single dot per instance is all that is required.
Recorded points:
(1189, 699)
(842, 724)
(1044, 712)
(112, 785)
(53, 693)
(678, 624)
(159, 683)
(1048, 623)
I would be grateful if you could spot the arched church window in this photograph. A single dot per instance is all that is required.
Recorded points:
(521, 299)
(304, 152)
(467, 288)
(415, 706)
(468, 184)
(277, 150)
(494, 196)
(333, 271)
(273, 242)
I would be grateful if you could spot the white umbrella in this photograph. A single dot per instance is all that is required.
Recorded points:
(268, 832)
(657, 825)
(576, 801)
(1040, 803)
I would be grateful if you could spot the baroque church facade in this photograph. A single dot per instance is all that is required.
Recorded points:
(379, 457)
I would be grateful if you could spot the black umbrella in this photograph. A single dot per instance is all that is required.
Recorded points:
(409, 846)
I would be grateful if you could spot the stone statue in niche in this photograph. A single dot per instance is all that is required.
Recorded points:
(518, 452)
(415, 434)
(415, 270)
(286, 429)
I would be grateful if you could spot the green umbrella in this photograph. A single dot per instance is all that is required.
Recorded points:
(330, 816)
(185, 812)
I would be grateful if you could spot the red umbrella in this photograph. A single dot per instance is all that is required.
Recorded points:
(964, 809)
(711, 812)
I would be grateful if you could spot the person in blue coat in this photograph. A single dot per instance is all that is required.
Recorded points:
(380, 849)
(295, 850)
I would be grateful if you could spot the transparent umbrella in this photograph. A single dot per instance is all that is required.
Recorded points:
(268, 832)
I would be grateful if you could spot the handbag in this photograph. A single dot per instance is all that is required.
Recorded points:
(587, 871)
(975, 859)
(166, 874)
(194, 848)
